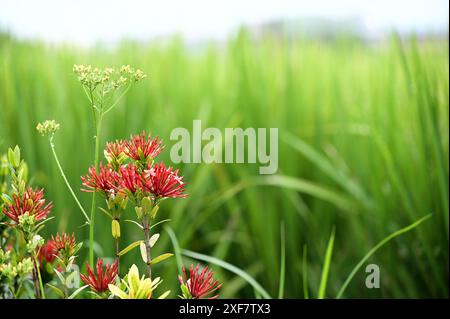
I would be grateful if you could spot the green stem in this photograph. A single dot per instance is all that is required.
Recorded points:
(17, 292)
(91, 225)
(36, 281)
(146, 226)
(117, 101)
(52, 146)
(41, 286)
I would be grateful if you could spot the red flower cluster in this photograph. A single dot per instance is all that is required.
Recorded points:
(107, 180)
(31, 201)
(200, 284)
(131, 179)
(139, 147)
(64, 242)
(100, 280)
(114, 149)
(48, 252)
(162, 181)
(157, 181)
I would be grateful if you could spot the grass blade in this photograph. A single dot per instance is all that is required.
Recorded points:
(176, 248)
(282, 261)
(326, 266)
(305, 272)
(325, 166)
(374, 249)
(288, 182)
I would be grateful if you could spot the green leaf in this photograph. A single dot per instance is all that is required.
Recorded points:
(146, 204)
(116, 291)
(57, 291)
(77, 248)
(176, 248)
(38, 228)
(130, 247)
(17, 156)
(185, 292)
(305, 272)
(12, 157)
(326, 167)
(44, 221)
(164, 295)
(326, 267)
(288, 182)
(134, 222)
(143, 252)
(76, 292)
(105, 212)
(153, 240)
(60, 276)
(375, 248)
(160, 222)
(282, 261)
(160, 258)
(6, 199)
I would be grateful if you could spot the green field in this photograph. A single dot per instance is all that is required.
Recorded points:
(363, 149)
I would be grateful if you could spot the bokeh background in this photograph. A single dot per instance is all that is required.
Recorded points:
(358, 90)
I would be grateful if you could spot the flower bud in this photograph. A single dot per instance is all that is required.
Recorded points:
(154, 211)
(138, 211)
(115, 229)
(146, 204)
(14, 156)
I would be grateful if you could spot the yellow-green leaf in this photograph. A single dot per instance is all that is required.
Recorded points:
(153, 240)
(160, 258)
(130, 247)
(57, 291)
(143, 252)
(116, 291)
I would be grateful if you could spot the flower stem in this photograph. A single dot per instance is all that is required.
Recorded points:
(118, 99)
(146, 224)
(117, 254)
(17, 291)
(52, 146)
(35, 281)
(91, 225)
(41, 287)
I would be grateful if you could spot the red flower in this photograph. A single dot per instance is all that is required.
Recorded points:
(114, 149)
(130, 178)
(200, 284)
(32, 201)
(139, 147)
(48, 252)
(64, 242)
(106, 180)
(162, 181)
(99, 282)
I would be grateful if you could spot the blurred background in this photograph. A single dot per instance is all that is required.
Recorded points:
(358, 90)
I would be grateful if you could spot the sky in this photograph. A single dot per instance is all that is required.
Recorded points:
(89, 21)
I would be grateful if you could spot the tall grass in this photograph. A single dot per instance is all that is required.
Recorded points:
(363, 148)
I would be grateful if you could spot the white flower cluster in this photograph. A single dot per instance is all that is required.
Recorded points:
(48, 127)
(108, 79)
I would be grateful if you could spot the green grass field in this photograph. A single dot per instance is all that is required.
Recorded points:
(363, 149)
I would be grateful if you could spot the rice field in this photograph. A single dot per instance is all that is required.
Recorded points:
(363, 152)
